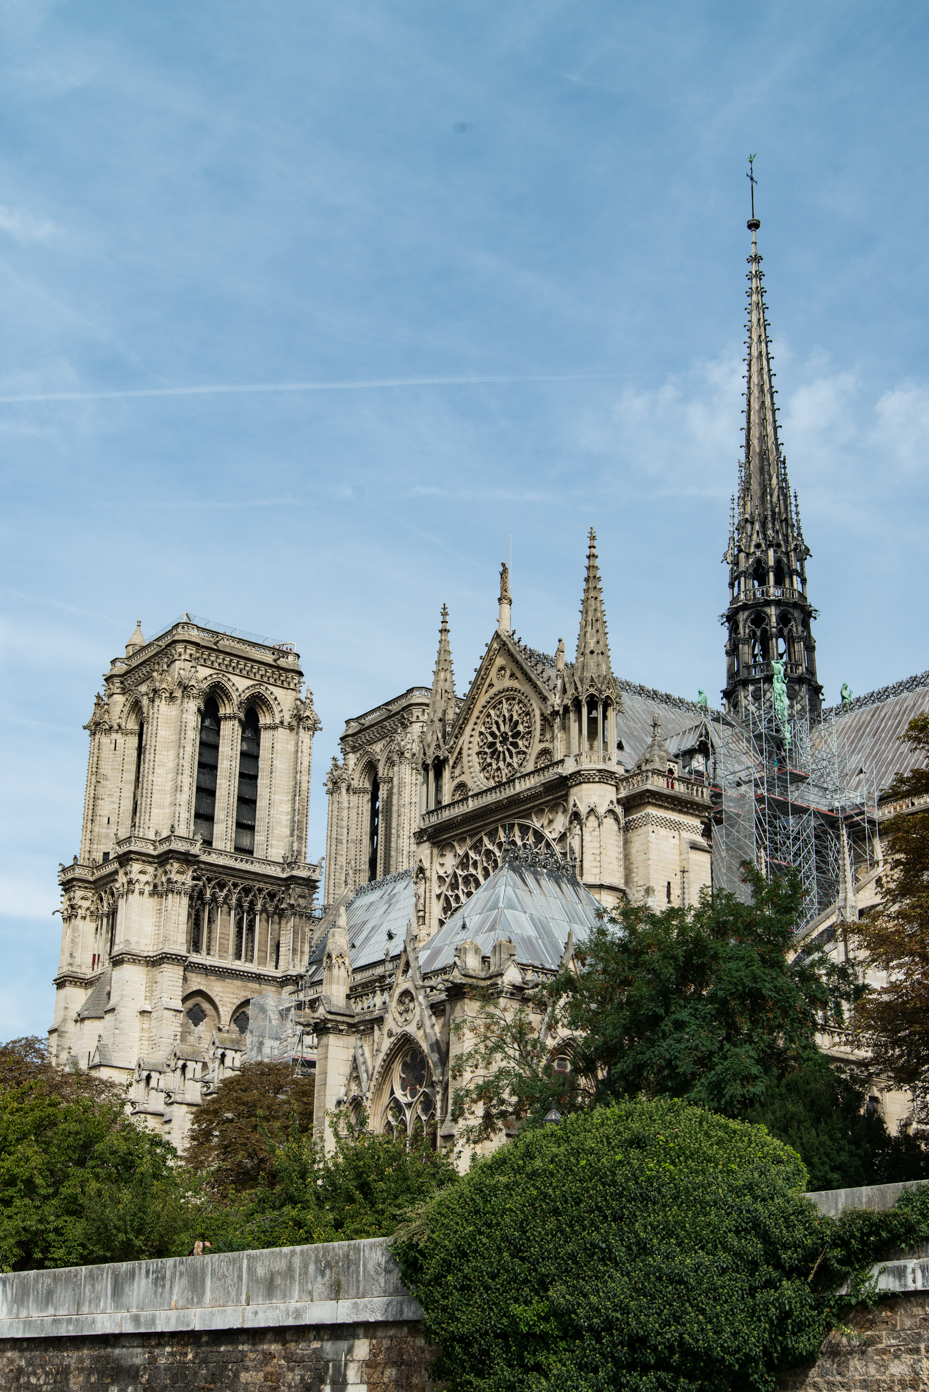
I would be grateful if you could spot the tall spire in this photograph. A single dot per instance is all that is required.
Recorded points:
(769, 614)
(592, 670)
(443, 705)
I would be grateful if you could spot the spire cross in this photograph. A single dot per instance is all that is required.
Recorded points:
(752, 180)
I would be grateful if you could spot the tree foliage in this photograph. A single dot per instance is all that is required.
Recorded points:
(234, 1133)
(893, 1020)
(648, 1245)
(80, 1183)
(707, 1004)
(821, 1112)
(364, 1187)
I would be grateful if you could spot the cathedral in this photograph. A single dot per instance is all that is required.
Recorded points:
(472, 838)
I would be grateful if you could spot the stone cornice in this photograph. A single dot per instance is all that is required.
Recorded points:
(192, 852)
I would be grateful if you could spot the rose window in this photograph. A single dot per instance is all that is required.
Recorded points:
(411, 1098)
(412, 1074)
(504, 739)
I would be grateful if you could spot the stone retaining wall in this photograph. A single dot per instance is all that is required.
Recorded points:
(328, 1358)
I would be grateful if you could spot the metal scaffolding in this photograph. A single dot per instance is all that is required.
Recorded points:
(276, 1032)
(783, 793)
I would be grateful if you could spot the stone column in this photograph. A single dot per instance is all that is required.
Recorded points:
(227, 781)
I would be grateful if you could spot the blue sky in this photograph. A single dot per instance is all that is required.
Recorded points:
(543, 201)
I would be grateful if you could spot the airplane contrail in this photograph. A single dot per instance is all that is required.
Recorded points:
(256, 387)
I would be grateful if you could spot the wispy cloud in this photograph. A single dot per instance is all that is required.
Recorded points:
(246, 388)
(24, 226)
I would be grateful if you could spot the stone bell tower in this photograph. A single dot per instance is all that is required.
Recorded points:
(769, 615)
(192, 891)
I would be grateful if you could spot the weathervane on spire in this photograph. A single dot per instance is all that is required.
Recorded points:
(750, 176)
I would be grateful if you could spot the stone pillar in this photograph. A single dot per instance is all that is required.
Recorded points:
(227, 781)
(335, 1047)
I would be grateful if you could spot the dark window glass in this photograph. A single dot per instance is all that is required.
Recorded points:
(241, 1021)
(247, 800)
(140, 748)
(374, 828)
(207, 766)
(196, 1014)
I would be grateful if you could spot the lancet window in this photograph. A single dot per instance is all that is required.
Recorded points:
(247, 800)
(137, 783)
(207, 770)
(374, 827)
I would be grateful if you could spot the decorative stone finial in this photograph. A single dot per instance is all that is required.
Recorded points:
(506, 599)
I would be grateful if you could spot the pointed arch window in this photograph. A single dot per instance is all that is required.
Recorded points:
(207, 769)
(137, 783)
(247, 799)
(374, 827)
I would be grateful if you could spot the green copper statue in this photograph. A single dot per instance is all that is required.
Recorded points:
(701, 698)
(847, 693)
(781, 708)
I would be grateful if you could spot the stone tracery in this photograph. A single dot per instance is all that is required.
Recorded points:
(504, 738)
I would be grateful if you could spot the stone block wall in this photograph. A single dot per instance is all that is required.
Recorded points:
(340, 1358)
(886, 1351)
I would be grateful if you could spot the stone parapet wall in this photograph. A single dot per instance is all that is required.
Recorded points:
(331, 1283)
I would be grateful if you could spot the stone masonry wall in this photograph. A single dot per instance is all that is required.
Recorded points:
(340, 1358)
(887, 1352)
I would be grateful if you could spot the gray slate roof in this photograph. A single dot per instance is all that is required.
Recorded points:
(868, 730)
(535, 908)
(377, 915)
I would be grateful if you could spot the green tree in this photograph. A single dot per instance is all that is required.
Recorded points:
(707, 1004)
(702, 1003)
(364, 1187)
(893, 1020)
(233, 1135)
(80, 1182)
(650, 1246)
(821, 1112)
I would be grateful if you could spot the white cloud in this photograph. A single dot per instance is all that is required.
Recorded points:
(847, 444)
(24, 226)
(680, 437)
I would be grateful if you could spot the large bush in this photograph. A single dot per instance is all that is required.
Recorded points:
(649, 1245)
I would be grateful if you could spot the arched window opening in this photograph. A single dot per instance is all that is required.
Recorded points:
(207, 769)
(760, 641)
(593, 723)
(239, 913)
(779, 579)
(136, 787)
(196, 927)
(247, 800)
(758, 575)
(437, 783)
(374, 822)
(240, 1020)
(411, 1102)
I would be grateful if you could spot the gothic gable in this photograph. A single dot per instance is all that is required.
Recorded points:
(504, 724)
